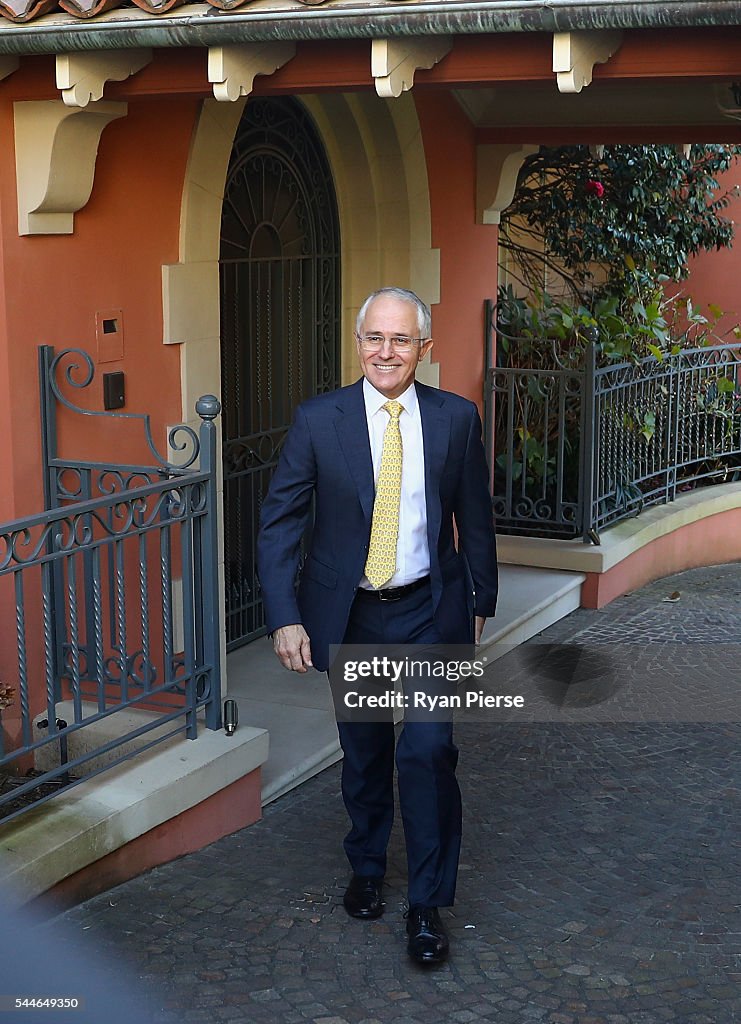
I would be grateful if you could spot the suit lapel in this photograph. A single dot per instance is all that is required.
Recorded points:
(436, 438)
(352, 433)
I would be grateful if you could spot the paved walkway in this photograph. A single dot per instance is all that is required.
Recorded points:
(600, 875)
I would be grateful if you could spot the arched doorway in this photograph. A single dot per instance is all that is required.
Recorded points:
(279, 274)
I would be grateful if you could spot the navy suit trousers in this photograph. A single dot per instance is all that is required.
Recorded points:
(426, 759)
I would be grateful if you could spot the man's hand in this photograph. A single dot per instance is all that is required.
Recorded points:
(291, 644)
(479, 629)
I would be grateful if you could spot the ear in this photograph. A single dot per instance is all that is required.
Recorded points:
(425, 349)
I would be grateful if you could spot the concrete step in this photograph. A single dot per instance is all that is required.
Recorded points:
(296, 710)
(531, 599)
(79, 826)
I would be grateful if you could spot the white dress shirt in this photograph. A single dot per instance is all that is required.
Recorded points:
(412, 551)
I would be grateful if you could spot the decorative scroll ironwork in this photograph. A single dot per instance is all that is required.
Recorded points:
(576, 447)
(116, 597)
(534, 468)
(181, 438)
(279, 268)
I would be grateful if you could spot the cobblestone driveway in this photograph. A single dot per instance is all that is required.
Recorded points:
(599, 878)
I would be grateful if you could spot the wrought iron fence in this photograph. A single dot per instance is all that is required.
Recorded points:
(576, 447)
(113, 591)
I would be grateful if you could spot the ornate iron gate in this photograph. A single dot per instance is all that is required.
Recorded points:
(279, 269)
(116, 595)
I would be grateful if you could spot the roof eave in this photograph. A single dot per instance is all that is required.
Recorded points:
(357, 21)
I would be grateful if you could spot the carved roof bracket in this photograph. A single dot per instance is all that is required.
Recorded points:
(576, 53)
(56, 148)
(232, 69)
(497, 167)
(82, 76)
(394, 61)
(8, 64)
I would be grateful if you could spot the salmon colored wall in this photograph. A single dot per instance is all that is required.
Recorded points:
(714, 276)
(6, 449)
(468, 251)
(50, 289)
(714, 540)
(54, 284)
(8, 659)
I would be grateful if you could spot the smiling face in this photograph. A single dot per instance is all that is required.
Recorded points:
(391, 372)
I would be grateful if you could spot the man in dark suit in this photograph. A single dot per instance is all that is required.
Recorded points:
(395, 469)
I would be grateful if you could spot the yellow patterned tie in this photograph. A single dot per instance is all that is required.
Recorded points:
(381, 563)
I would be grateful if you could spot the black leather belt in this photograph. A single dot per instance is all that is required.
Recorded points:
(394, 593)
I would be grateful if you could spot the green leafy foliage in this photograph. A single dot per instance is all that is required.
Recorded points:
(608, 236)
(653, 210)
(654, 324)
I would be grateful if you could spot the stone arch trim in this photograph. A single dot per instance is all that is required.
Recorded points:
(377, 157)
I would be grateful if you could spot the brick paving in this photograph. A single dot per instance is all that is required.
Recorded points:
(599, 880)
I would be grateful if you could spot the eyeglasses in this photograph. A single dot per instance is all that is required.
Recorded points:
(399, 343)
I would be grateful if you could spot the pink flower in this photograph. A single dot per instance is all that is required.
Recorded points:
(595, 188)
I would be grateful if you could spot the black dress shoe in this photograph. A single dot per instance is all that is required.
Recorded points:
(428, 941)
(363, 897)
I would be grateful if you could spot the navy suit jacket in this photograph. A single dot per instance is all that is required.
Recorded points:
(327, 456)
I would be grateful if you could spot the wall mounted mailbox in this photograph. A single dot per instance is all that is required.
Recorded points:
(114, 390)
